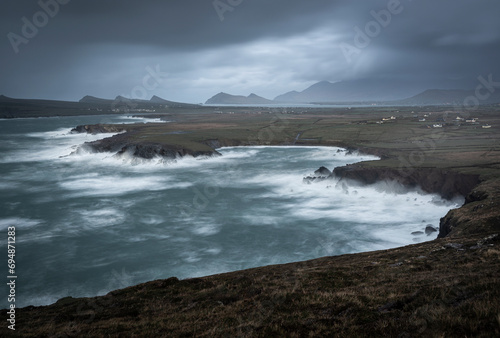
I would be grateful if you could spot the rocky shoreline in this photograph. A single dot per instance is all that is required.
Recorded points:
(476, 215)
(122, 144)
(448, 183)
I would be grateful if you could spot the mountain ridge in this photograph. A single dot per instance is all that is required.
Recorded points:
(351, 91)
(363, 91)
(225, 98)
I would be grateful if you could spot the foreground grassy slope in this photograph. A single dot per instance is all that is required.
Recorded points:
(440, 288)
(447, 287)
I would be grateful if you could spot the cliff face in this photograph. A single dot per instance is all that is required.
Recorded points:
(479, 214)
(145, 150)
(99, 128)
(124, 144)
(447, 183)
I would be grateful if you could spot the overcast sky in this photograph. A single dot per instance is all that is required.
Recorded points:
(189, 50)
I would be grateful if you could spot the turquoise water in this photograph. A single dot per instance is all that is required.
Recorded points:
(89, 223)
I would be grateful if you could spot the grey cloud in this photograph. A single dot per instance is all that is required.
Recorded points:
(102, 47)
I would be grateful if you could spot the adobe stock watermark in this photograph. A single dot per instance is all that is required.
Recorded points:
(40, 19)
(372, 29)
(151, 81)
(483, 92)
(223, 6)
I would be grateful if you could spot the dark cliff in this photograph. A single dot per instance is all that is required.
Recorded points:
(99, 128)
(126, 143)
(479, 214)
(447, 183)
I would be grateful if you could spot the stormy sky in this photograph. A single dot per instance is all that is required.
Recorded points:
(189, 50)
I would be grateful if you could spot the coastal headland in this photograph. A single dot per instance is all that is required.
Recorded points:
(446, 287)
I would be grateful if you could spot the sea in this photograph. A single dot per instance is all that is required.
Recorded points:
(89, 223)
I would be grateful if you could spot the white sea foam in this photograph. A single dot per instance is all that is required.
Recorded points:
(249, 207)
(102, 217)
(140, 119)
(152, 219)
(94, 184)
(204, 227)
(18, 223)
(53, 146)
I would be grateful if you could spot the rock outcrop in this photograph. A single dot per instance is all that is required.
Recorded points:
(99, 128)
(475, 216)
(447, 183)
(321, 174)
(480, 213)
(323, 171)
(125, 143)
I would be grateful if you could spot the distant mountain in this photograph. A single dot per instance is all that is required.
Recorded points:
(351, 91)
(88, 105)
(293, 96)
(157, 99)
(438, 96)
(93, 100)
(448, 97)
(224, 98)
(123, 101)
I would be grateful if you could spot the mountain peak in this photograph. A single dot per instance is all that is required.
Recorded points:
(92, 99)
(359, 90)
(224, 98)
(157, 99)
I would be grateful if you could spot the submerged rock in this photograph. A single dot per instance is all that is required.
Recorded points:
(429, 229)
(323, 171)
(321, 174)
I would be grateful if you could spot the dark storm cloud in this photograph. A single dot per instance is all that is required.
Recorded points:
(103, 48)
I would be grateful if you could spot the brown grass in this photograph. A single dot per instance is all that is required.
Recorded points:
(428, 289)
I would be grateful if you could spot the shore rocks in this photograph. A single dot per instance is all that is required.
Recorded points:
(429, 229)
(144, 150)
(321, 174)
(98, 129)
(323, 171)
(448, 184)
(125, 144)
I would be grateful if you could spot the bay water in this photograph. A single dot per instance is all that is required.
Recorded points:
(90, 223)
